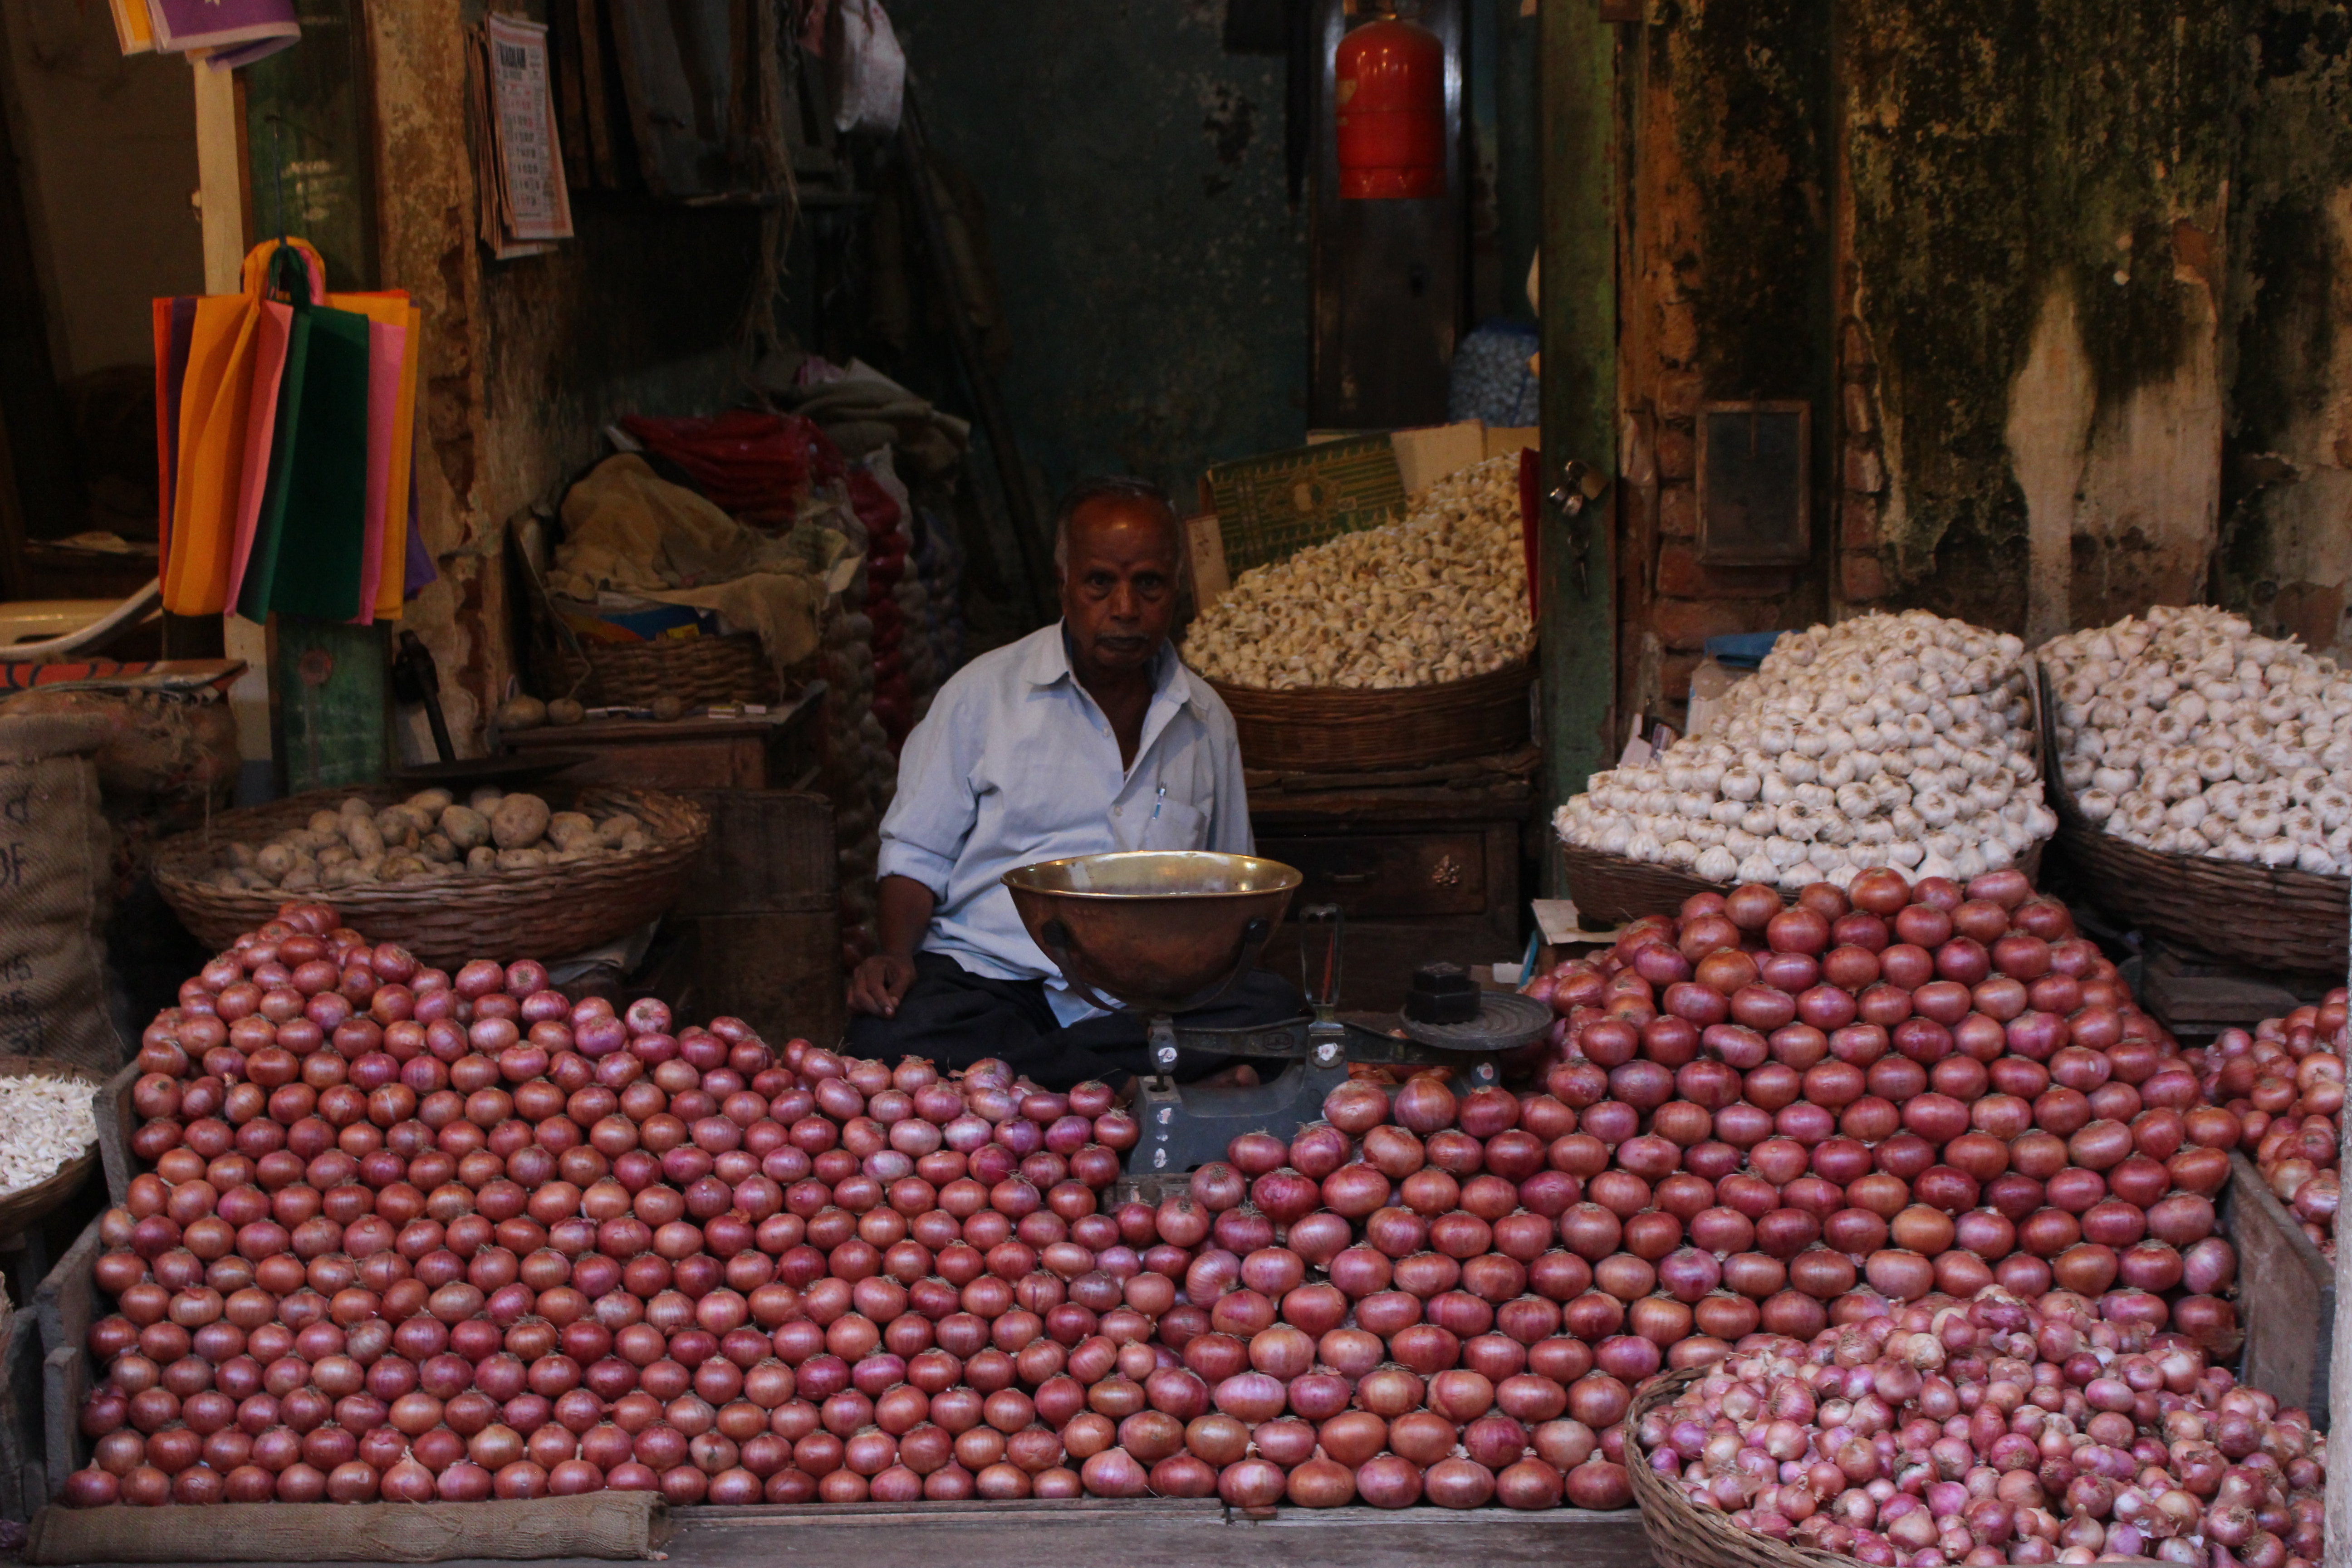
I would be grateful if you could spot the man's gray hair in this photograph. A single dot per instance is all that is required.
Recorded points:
(1114, 486)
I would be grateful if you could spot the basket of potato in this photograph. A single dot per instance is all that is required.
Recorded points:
(496, 874)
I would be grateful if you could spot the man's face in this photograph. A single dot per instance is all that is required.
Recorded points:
(1119, 594)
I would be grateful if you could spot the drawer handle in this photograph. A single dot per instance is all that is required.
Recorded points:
(1350, 879)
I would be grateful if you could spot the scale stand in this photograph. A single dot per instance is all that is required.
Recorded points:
(1184, 1127)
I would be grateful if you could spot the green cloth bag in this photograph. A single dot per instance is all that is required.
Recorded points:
(310, 543)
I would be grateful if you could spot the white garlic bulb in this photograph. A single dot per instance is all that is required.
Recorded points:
(2244, 742)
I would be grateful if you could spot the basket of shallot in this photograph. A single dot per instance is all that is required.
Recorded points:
(1904, 741)
(48, 1137)
(1993, 1430)
(2202, 777)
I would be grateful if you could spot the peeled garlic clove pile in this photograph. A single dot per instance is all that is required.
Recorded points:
(2185, 732)
(1441, 596)
(1886, 740)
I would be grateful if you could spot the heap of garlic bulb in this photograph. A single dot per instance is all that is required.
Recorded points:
(1902, 740)
(2185, 733)
(1442, 595)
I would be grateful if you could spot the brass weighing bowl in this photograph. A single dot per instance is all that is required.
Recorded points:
(1154, 930)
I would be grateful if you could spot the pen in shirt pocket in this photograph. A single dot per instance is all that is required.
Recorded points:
(1161, 800)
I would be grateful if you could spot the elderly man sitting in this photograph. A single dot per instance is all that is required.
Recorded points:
(1087, 736)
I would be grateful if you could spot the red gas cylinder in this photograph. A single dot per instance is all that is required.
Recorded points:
(1392, 111)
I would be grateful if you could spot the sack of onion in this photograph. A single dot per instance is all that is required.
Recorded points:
(1987, 1431)
(1902, 740)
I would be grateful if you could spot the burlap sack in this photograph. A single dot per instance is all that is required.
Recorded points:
(53, 880)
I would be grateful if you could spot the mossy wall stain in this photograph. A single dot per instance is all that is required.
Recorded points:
(1994, 148)
(2284, 554)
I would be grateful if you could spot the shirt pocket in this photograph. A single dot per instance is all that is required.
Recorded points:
(1177, 826)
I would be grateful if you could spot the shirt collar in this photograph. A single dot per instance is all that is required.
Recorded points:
(1048, 664)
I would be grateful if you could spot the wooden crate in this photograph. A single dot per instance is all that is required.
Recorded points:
(64, 1308)
(117, 1120)
(2286, 1295)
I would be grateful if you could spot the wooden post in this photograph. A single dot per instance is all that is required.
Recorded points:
(1579, 152)
(2339, 1533)
(220, 171)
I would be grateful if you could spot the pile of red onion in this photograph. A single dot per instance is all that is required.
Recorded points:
(1799, 1113)
(1991, 1431)
(2285, 1081)
(410, 1235)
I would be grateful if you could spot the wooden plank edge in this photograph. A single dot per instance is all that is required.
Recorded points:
(1048, 1513)
(2245, 1178)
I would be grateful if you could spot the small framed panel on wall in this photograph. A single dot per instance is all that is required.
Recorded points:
(1755, 483)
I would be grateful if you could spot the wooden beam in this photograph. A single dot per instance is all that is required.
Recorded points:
(1579, 152)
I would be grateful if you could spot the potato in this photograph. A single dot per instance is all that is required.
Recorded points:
(484, 797)
(612, 829)
(565, 710)
(345, 875)
(325, 822)
(400, 868)
(396, 827)
(522, 859)
(336, 854)
(521, 714)
(354, 807)
(301, 879)
(519, 822)
(437, 850)
(242, 855)
(226, 880)
(464, 826)
(571, 830)
(481, 860)
(274, 861)
(312, 838)
(633, 842)
(431, 802)
(364, 837)
(668, 709)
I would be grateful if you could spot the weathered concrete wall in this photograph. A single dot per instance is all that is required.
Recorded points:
(525, 361)
(1153, 273)
(2037, 196)
(1728, 252)
(2285, 548)
(2076, 352)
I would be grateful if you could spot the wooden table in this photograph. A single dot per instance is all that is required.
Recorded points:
(1424, 862)
(781, 749)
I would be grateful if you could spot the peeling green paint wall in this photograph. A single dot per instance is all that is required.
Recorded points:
(1996, 149)
(1153, 273)
(2285, 550)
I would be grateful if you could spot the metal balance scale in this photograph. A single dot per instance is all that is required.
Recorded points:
(1164, 932)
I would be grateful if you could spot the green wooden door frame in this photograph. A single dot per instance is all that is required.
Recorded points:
(1580, 155)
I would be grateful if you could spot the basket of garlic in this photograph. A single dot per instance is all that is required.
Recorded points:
(496, 876)
(2203, 781)
(1903, 740)
(48, 1136)
(1406, 644)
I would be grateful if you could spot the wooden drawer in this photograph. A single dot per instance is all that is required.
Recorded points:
(1376, 875)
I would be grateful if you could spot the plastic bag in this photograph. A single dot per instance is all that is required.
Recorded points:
(871, 79)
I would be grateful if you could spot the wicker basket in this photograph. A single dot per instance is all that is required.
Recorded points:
(2261, 917)
(2290, 920)
(1401, 728)
(21, 1210)
(1681, 1533)
(1609, 889)
(698, 671)
(547, 913)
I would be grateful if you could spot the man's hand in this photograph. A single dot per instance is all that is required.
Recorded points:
(876, 986)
